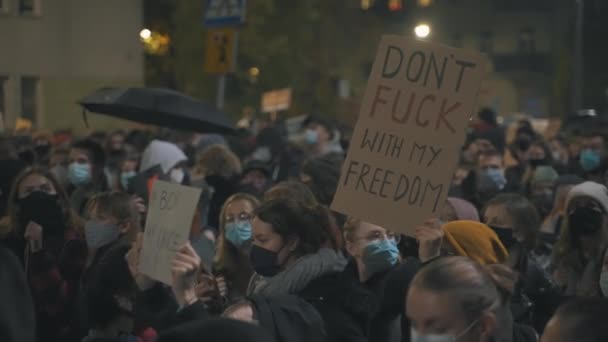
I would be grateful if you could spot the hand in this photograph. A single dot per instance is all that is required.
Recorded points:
(133, 257)
(184, 270)
(430, 238)
(33, 233)
(139, 204)
(222, 287)
(205, 289)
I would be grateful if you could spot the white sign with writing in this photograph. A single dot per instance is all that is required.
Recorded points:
(170, 212)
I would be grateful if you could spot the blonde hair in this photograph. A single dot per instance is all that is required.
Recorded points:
(218, 160)
(350, 228)
(222, 249)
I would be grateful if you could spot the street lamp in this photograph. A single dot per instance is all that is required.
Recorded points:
(422, 31)
(145, 34)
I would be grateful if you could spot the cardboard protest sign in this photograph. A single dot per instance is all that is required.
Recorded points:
(168, 224)
(411, 125)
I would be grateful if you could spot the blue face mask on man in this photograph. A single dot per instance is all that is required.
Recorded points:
(311, 137)
(79, 174)
(125, 177)
(497, 176)
(238, 232)
(590, 159)
(380, 255)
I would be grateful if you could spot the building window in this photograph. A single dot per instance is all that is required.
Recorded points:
(29, 7)
(3, 86)
(486, 42)
(29, 98)
(457, 40)
(527, 41)
(4, 6)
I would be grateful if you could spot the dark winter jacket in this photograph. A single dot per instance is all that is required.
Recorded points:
(17, 318)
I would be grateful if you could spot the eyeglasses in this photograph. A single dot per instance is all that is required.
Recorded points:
(240, 217)
(378, 235)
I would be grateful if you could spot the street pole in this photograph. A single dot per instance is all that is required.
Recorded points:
(577, 82)
(221, 90)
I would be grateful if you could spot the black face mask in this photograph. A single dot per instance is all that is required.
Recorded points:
(505, 235)
(584, 221)
(44, 209)
(537, 162)
(42, 150)
(264, 262)
(543, 203)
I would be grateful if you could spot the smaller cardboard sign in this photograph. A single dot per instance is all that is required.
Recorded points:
(276, 100)
(168, 224)
(407, 139)
(220, 50)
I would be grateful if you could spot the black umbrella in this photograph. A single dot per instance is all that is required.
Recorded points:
(156, 106)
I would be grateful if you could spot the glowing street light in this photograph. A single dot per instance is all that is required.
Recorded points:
(422, 30)
(145, 34)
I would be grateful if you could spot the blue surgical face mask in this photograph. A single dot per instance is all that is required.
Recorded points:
(590, 160)
(311, 137)
(98, 234)
(238, 232)
(125, 177)
(497, 176)
(79, 174)
(380, 255)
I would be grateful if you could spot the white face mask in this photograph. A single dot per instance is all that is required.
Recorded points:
(177, 175)
(416, 337)
(604, 283)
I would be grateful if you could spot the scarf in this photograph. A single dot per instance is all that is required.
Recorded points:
(297, 276)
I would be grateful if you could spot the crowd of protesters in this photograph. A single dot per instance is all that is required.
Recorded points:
(518, 253)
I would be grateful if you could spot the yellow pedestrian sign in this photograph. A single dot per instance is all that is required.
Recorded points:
(220, 50)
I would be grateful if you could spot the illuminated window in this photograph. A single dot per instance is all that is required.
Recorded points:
(425, 3)
(29, 7)
(29, 98)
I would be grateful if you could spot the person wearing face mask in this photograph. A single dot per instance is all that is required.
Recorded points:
(128, 170)
(221, 170)
(231, 263)
(288, 252)
(86, 173)
(256, 178)
(541, 189)
(516, 222)
(457, 299)
(158, 161)
(551, 226)
(112, 221)
(376, 264)
(320, 136)
(591, 159)
(578, 255)
(44, 234)
(560, 152)
(486, 180)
